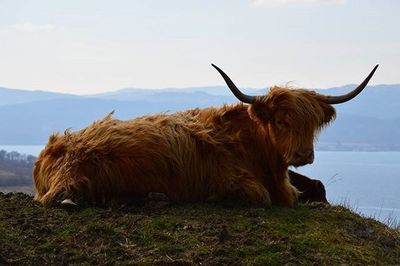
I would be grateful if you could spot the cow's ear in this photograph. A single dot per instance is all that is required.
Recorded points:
(260, 112)
(329, 113)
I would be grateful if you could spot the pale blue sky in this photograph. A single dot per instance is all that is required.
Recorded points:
(93, 46)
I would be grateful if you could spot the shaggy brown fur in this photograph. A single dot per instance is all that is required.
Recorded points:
(236, 151)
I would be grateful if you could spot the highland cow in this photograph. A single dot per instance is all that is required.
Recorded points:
(240, 151)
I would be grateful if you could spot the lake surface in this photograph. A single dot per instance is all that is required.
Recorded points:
(368, 182)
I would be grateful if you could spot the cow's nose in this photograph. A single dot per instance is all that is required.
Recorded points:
(311, 156)
(307, 155)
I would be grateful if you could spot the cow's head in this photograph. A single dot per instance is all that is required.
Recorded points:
(293, 118)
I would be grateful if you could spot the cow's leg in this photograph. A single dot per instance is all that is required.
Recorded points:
(249, 190)
(311, 190)
(284, 193)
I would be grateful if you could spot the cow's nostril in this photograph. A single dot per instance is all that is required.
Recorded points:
(305, 155)
(308, 153)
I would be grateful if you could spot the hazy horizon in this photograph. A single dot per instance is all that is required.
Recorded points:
(178, 88)
(85, 47)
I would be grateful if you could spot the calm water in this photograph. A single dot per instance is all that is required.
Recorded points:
(367, 181)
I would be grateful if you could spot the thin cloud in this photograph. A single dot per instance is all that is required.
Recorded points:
(280, 3)
(28, 27)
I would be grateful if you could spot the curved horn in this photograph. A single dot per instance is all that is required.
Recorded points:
(240, 95)
(348, 96)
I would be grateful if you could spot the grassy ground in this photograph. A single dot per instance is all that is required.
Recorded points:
(201, 234)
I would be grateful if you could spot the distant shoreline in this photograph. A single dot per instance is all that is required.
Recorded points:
(324, 147)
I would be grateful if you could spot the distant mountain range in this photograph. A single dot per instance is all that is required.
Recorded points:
(369, 122)
(16, 96)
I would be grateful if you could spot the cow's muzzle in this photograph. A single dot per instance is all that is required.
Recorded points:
(303, 158)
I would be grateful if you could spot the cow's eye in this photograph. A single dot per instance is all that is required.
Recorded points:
(280, 123)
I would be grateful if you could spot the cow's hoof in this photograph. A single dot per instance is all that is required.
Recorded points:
(68, 203)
